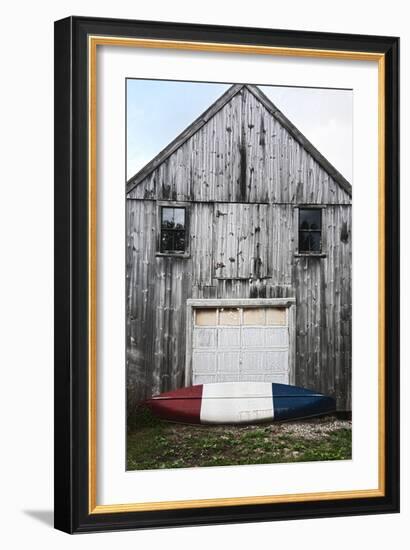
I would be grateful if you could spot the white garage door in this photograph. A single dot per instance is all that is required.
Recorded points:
(240, 344)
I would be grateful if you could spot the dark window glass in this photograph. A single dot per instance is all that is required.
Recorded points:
(173, 230)
(310, 230)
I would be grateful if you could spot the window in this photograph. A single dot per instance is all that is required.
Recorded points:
(310, 230)
(173, 230)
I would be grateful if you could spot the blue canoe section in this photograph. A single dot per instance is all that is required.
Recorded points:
(291, 402)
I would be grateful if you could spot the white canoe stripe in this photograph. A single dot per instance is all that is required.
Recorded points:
(236, 402)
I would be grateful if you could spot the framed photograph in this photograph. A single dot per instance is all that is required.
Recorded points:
(226, 274)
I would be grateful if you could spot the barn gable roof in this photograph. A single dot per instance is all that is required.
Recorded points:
(212, 110)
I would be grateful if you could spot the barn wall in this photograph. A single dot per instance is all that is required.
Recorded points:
(323, 311)
(158, 287)
(242, 175)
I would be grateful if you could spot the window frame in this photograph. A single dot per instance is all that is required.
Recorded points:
(173, 204)
(311, 254)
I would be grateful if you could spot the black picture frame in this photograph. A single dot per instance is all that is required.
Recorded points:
(72, 511)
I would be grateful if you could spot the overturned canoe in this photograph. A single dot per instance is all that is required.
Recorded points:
(239, 403)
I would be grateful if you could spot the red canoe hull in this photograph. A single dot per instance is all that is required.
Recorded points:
(179, 407)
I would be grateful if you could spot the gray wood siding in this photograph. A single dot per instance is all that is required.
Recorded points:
(323, 312)
(158, 287)
(242, 154)
(240, 242)
(242, 175)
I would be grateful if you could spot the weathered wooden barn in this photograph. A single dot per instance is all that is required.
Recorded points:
(239, 257)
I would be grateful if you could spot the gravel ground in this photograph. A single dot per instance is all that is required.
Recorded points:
(312, 429)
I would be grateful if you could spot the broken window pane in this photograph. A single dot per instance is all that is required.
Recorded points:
(205, 317)
(276, 316)
(254, 316)
(229, 316)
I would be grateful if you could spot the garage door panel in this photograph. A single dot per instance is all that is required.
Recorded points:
(204, 338)
(275, 361)
(229, 337)
(254, 378)
(228, 362)
(253, 337)
(264, 337)
(264, 361)
(276, 316)
(204, 379)
(230, 316)
(278, 378)
(205, 362)
(223, 377)
(205, 317)
(252, 362)
(276, 337)
(254, 316)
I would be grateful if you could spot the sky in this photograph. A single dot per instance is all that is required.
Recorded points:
(158, 110)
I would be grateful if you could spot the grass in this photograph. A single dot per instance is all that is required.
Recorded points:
(154, 444)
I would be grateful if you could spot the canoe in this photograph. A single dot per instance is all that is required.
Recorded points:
(239, 403)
